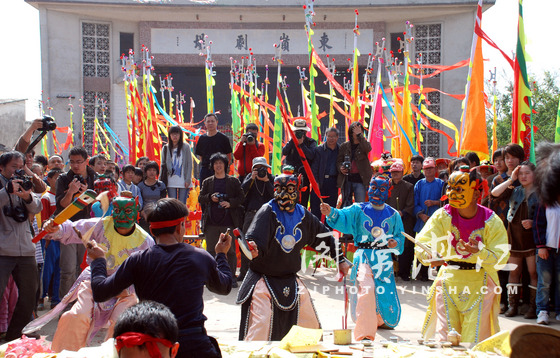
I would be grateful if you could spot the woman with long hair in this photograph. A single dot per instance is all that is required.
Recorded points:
(177, 160)
(522, 205)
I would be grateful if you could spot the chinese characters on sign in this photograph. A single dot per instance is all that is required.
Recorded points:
(324, 42)
(199, 41)
(285, 40)
(241, 42)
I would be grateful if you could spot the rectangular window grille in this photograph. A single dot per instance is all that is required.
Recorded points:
(89, 116)
(95, 50)
(427, 41)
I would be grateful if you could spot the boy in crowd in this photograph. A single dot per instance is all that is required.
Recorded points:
(98, 163)
(51, 267)
(147, 329)
(127, 183)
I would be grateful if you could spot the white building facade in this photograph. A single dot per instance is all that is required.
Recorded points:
(82, 42)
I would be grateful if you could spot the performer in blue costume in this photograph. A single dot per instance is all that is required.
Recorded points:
(377, 230)
(273, 298)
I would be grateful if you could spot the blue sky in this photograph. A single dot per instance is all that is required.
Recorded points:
(21, 56)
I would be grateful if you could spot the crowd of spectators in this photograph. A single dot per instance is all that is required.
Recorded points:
(34, 188)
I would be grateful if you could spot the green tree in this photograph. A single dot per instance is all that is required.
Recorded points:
(546, 94)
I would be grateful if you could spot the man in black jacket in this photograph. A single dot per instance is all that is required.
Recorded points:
(259, 190)
(78, 179)
(221, 197)
(325, 171)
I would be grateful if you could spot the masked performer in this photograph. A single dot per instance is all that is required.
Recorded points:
(376, 228)
(120, 236)
(273, 298)
(471, 243)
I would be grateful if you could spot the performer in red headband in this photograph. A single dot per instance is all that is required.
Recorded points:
(180, 270)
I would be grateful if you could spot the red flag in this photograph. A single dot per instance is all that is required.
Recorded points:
(306, 166)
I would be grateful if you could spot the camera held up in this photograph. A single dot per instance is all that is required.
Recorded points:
(26, 183)
(48, 124)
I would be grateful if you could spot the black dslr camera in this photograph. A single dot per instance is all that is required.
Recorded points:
(262, 172)
(48, 124)
(19, 212)
(347, 164)
(250, 137)
(26, 183)
(80, 178)
(221, 197)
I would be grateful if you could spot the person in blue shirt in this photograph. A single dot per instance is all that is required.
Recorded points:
(127, 184)
(427, 194)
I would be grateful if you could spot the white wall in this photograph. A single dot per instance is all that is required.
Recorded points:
(12, 117)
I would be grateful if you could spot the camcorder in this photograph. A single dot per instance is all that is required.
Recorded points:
(48, 124)
(347, 164)
(262, 172)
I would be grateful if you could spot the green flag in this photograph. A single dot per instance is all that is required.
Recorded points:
(277, 136)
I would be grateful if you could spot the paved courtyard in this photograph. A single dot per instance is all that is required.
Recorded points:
(224, 315)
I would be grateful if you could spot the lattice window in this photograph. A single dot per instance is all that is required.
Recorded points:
(90, 111)
(95, 50)
(427, 41)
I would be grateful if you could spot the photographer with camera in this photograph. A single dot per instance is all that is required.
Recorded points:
(78, 179)
(353, 163)
(17, 252)
(259, 189)
(308, 146)
(44, 124)
(246, 150)
(221, 197)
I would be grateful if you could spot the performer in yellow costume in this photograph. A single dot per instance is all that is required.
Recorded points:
(120, 236)
(470, 244)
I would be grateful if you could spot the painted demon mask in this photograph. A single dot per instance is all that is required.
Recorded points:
(379, 190)
(286, 191)
(105, 184)
(460, 190)
(125, 212)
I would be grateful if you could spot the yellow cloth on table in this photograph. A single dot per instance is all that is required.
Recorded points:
(498, 343)
(299, 336)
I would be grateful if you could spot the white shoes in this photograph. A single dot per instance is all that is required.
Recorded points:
(558, 317)
(542, 318)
